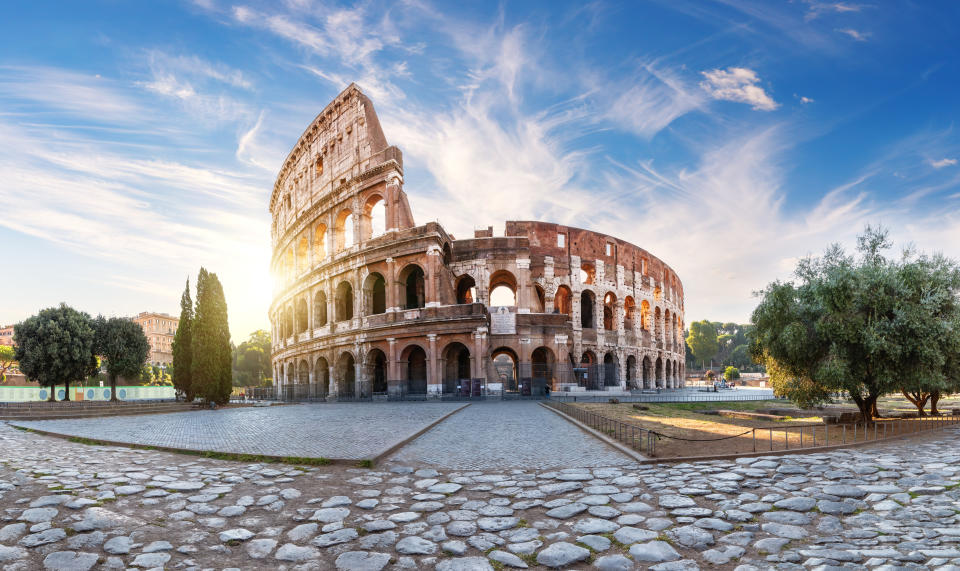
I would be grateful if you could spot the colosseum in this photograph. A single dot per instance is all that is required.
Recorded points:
(368, 304)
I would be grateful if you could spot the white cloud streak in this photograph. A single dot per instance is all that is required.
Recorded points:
(942, 163)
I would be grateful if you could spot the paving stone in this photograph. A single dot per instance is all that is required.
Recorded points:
(465, 564)
(561, 554)
(260, 548)
(361, 561)
(120, 545)
(151, 560)
(653, 552)
(69, 561)
(296, 553)
(335, 537)
(413, 545)
(238, 534)
(508, 559)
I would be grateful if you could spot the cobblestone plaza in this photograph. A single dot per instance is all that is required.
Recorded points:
(449, 502)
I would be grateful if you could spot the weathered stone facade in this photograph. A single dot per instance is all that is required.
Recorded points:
(368, 302)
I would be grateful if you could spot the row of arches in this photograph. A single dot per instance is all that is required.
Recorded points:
(295, 318)
(347, 229)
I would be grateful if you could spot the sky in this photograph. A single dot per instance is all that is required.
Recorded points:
(140, 141)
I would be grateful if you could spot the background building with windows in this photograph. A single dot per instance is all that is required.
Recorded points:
(159, 329)
(366, 302)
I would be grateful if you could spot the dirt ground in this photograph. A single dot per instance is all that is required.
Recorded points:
(685, 431)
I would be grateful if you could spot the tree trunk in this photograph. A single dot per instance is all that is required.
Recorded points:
(934, 398)
(113, 389)
(874, 412)
(53, 394)
(66, 391)
(919, 400)
(867, 406)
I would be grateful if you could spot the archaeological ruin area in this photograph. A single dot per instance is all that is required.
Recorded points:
(368, 304)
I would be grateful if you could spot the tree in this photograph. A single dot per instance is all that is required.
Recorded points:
(211, 368)
(183, 348)
(703, 340)
(731, 373)
(7, 360)
(123, 348)
(55, 347)
(251, 360)
(864, 325)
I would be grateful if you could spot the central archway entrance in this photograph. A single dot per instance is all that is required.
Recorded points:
(542, 366)
(377, 371)
(504, 361)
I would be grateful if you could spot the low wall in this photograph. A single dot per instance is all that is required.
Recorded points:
(30, 394)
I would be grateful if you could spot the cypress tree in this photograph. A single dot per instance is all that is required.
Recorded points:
(211, 367)
(183, 347)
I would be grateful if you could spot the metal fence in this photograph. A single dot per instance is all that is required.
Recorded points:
(666, 396)
(768, 439)
(640, 439)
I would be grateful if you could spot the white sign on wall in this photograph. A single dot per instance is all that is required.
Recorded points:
(503, 322)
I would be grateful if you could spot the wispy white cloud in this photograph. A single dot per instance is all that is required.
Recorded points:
(46, 90)
(805, 100)
(855, 34)
(652, 101)
(942, 163)
(817, 9)
(737, 84)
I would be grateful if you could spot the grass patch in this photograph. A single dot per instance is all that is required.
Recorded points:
(523, 523)
(529, 558)
(82, 440)
(497, 566)
(70, 531)
(365, 463)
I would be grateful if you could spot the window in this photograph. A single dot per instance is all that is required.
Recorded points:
(561, 240)
(609, 249)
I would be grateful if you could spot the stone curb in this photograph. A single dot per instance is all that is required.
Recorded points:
(376, 459)
(236, 456)
(600, 436)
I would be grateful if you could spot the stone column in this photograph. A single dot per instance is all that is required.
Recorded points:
(433, 379)
(430, 287)
(334, 385)
(523, 285)
(392, 204)
(550, 290)
(391, 287)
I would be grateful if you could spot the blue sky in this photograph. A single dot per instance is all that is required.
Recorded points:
(139, 141)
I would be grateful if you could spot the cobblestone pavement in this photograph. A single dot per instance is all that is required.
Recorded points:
(66, 505)
(349, 431)
(507, 434)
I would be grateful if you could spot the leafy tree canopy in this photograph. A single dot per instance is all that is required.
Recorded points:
(123, 347)
(55, 347)
(863, 324)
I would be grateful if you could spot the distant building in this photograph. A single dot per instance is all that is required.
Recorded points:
(159, 329)
(6, 335)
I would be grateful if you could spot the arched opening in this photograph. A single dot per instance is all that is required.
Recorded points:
(541, 298)
(647, 367)
(288, 381)
(505, 362)
(588, 361)
(503, 289)
(374, 220)
(414, 361)
(303, 255)
(466, 290)
(629, 309)
(321, 378)
(632, 372)
(288, 328)
(344, 302)
(414, 286)
(659, 372)
(645, 315)
(346, 374)
(588, 273)
(609, 309)
(319, 242)
(587, 302)
(303, 373)
(302, 315)
(456, 369)
(320, 309)
(375, 294)
(343, 230)
(447, 254)
(288, 266)
(542, 366)
(377, 371)
(562, 301)
(318, 166)
(611, 370)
